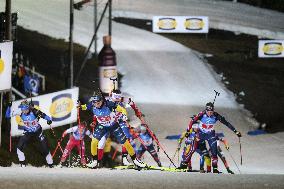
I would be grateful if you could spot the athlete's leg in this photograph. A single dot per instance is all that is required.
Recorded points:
(21, 146)
(154, 154)
(70, 145)
(44, 147)
(212, 141)
(118, 133)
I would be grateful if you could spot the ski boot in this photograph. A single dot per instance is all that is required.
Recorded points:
(182, 166)
(23, 164)
(202, 170)
(125, 161)
(215, 170)
(92, 164)
(230, 171)
(84, 165)
(159, 164)
(108, 161)
(189, 169)
(50, 165)
(59, 165)
(139, 163)
(98, 165)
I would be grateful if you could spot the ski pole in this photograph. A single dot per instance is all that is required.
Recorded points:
(55, 150)
(58, 146)
(79, 122)
(135, 108)
(178, 156)
(10, 145)
(137, 136)
(157, 141)
(216, 94)
(177, 151)
(78, 113)
(174, 156)
(81, 149)
(58, 141)
(141, 141)
(115, 152)
(234, 161)
(159, 144)
(241, 150)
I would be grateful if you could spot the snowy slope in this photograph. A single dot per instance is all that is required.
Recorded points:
(169, 81)
(164, 63)
(224, 15)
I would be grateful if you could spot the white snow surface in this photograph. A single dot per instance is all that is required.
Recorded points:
(155, 69)
(34, 178)
(169, 81)
(224, 15)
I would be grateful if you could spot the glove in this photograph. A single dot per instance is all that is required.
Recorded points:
(158, 148)
(187, 134)
(225, 143)
(83, 107)
(238, 134)
(49, 122)
(93, 124)
(227, 147)
(9, 104)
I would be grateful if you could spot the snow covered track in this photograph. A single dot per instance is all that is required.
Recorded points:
(169, 83)
(46, 178)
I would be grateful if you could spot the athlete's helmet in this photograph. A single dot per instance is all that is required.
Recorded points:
(24, 105)
(209, 106)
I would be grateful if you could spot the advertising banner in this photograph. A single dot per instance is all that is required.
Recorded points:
(180, 24)
(270, 48)
(6, 56)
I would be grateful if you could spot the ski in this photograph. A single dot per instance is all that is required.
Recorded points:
(152, 168)
(124, 167)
